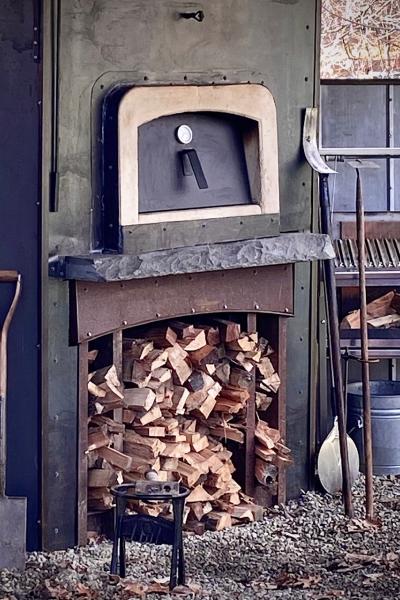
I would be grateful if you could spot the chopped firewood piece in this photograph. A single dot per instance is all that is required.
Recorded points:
(253, 356)
(169, 464)
(199, 444)
(169, 423)
(265, 367)
(162, 337)
(385, 322)
(195, 340)
(212, 335)
(96, 390)
(160, 375)
(199, 381)
(205, 354)
(175, 437)
(134, 372)
(198, 494)
(199, 509)
(116, 458)
(243, 512)
(263, 401)
(103, 503)
(179, 398)
(229, 330)
(236, 394)
(190, 475)
(137, 348)
(151, 431)
(108, 378)
(265, 472)
(222, 372)
(92, 355)
(155, 360)
(101, 478)
(265, 453)
(182, 329)
(206, 407)
(128, 416)
(142, 445)
(195, 527)
(271, 384)
(182, 372)
(143, 465)
(239, 358)
(267, 435)
(225, 405)
(214, 464)
(175, 450)
(198, 461)
(243, 343)
(254, 336)
(112, 426)
(139, 398)
(229, 433)
(240, 378)
(176, 354)
(97, 439)
(216, 521)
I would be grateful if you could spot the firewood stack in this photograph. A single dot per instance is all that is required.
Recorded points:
(186, 391)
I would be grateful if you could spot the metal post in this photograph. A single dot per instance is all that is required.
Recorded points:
(367, 430)
(330, 283)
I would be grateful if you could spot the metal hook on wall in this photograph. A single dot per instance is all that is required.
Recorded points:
(198, 15)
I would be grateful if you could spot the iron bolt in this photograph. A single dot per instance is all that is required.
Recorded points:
(89, 334)
(124, 322)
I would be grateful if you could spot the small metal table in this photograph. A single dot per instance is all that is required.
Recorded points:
(148, 529)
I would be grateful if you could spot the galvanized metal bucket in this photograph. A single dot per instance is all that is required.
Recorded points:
(385, 415)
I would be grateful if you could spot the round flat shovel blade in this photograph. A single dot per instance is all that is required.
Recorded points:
(329, 463)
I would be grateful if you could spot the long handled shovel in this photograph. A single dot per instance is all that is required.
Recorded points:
(367, 426)
(12, 510)
(317, 163)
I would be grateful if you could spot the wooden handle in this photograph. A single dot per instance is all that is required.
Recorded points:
(8, 276)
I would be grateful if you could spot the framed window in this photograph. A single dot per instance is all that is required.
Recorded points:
(362, 120)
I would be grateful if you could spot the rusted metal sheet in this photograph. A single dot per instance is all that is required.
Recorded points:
(82, 444)
(104, 307)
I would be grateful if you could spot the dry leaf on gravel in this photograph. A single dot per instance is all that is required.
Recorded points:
(329, 594)
(290, 580)
(156, 587)
(57, 592)
(371, 578)
(357, 525)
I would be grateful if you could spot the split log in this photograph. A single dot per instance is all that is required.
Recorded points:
(116, 458)
(265, 472)
(216, 521)
(229, 330)
(97, 439)
(139, 398)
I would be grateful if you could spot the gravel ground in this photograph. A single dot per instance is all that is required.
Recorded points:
(307, 549)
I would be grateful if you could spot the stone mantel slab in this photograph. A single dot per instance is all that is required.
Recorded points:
(282, 249)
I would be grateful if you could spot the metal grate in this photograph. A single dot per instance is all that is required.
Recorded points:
(382, 254)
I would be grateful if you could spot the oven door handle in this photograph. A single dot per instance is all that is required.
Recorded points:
(190, 156)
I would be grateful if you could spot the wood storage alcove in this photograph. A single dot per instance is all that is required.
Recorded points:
(258, 300)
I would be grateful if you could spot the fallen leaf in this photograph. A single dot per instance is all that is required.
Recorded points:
(57, 592)
(357, 525)
(130, 588)
(290, 580)
(370, 578)
(82, 591)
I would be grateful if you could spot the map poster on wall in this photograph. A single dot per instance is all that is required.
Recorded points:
(360, 39)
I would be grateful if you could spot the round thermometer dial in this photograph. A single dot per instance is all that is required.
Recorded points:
(184, 134)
